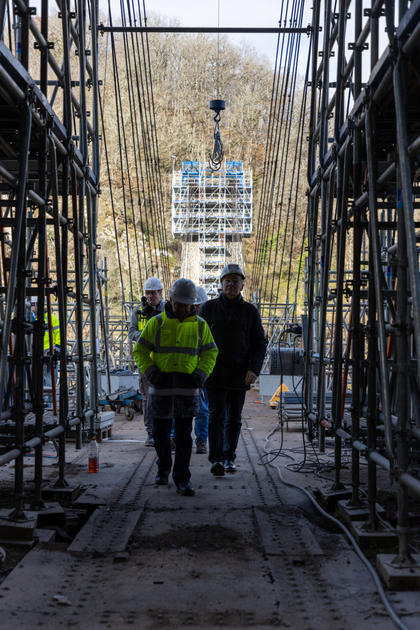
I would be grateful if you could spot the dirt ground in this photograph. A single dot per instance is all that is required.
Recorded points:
(245, 552)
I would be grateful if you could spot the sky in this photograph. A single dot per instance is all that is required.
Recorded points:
(245, 13)
(232, 13)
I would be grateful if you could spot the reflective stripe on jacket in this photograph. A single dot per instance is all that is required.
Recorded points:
(177, 357)
(141, 322)
(175, 346)
(139, 317)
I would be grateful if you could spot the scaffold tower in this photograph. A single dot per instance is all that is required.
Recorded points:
(212, 213)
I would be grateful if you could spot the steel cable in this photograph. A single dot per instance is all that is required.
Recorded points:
(270, 173)
(291, 75)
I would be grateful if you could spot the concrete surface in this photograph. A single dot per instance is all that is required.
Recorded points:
(245, 552)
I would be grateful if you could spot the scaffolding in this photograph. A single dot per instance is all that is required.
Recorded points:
(214, 210)
(363, 213)
(49, 170)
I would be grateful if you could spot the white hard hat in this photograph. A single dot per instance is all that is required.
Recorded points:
(183, 291)
(201, 295)
(34, 300)
(153, 284)
(232, 268)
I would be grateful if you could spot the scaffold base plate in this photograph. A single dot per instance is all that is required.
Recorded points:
(396, 578)
(358, 512)
(329, 498)
(65, 496)
(17, 532)
(380, 537)
(51, 513)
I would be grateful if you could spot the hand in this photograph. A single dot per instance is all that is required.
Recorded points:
(153, 376)
(250, 377)
(198, 379)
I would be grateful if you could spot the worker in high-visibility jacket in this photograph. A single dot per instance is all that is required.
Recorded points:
(151, 305)
(55, 325)
(56, 342)
(176, 353)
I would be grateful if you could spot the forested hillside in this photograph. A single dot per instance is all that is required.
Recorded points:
(184, 75)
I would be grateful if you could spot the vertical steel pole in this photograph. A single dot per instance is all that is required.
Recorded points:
(374, 37)
(343, 182)
(78, 268)
(92, 270)
(407, 196)
(3, 4)
(328, 198)
(19, 242)
(378, 281)
(403, 370)
(39, 327)
(61, 294)
(313, 114)
(357, 353)
(65, 195)
(372, 410)
(312, 222)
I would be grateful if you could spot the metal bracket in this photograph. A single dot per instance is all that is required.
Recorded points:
(353, 46)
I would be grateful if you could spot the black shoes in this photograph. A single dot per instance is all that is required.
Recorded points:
(217, 469)
(185, 488)
(201, 448)
(162, 479)
(230, 466)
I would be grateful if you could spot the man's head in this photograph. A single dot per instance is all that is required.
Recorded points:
(182, 298)
(153, 291)
(201, 296)
(232, 280)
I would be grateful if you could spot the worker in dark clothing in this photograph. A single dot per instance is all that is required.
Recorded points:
(239, 335)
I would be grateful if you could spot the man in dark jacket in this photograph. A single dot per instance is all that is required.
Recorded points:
(239, 335)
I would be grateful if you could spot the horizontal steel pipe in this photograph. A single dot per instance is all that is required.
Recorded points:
(8, 457)
(382, 461)
(343, 434)
(410, 482)
(8, 413)
(33, 442)
(54, 432)
(359, 446)
(200, 29)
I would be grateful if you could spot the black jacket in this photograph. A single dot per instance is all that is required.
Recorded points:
(239, 335)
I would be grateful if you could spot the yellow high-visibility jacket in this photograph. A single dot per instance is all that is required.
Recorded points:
(55, 330)
(176, 357)
(175, 346)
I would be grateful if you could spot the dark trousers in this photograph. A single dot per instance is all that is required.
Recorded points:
(183, 446)
(225, 407)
